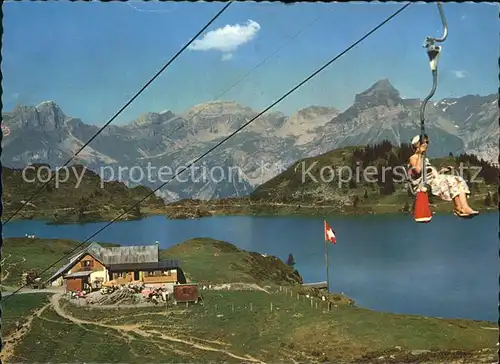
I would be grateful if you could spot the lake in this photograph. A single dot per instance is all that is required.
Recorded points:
(447, 268)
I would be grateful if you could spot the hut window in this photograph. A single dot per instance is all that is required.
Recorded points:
(87, 263)
(150, 274)
(118, 275)
(167, 273)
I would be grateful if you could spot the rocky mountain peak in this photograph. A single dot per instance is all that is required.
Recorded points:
(380, 93)
(470, 109)
(306, 123)
(48, 105)
(216, 108)
(383, 85)
(153, 118)
(46, 116)
(469, 123)
(316, 111)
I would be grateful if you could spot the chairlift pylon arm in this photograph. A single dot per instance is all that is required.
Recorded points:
(445, 25)
(430, 41)
(424, 103)
(433, 52)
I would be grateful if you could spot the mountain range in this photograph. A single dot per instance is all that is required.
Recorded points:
(274, 141)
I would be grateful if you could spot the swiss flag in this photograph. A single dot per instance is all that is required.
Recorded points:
(330, 234)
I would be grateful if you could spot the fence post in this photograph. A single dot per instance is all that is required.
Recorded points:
(251, 306)
(232, 307)
(271, 307)
(311, 301)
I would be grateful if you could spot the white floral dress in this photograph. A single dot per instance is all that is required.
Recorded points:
(445, 186)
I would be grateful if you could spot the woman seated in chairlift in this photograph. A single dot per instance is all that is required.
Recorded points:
(447, 187)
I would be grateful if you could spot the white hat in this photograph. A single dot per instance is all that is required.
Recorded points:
(415, 140)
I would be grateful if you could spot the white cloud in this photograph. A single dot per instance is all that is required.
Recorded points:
(227, 39)
(460, 74)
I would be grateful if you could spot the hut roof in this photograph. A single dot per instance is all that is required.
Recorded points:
(92, 249)
(129, 254)
(113, 256)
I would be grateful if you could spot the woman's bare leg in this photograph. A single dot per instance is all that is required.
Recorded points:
(456, 204)
(465, 204)
(460, 200)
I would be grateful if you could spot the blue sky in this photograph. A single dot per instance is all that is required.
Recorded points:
(91, 57)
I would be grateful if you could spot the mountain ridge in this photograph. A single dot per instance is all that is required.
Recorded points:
(491, 97)
(45, 134)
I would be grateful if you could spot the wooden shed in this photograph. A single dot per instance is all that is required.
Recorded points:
(186, 292)
(77, 281)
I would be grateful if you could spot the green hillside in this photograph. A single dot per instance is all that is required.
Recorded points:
(366, 177)
(72, 201)
(264, 317)
(204, 260)
(365, 180)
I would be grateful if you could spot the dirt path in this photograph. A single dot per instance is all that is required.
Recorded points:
(150, 334)
(13, 339)
(5, 271)
(33, 290)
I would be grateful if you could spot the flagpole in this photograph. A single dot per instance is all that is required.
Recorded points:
(326, 257)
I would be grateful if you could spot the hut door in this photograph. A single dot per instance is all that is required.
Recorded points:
(136, 276)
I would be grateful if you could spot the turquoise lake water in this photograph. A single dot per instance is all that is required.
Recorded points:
(447, 268)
